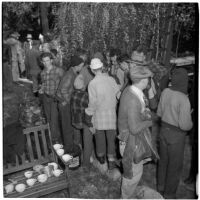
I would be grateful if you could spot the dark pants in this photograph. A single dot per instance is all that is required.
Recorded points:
(51, 113)
(103, 137)
(34, 78)
(66, 126)
(171, 151)
(87, 145)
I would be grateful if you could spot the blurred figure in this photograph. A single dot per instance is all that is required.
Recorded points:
(32, 62)
(17, 56)
(138, 55)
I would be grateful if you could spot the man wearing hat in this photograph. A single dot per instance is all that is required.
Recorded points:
(17, 58)
(102, 107)
(131, 122)
(64, 93)
(27, 47)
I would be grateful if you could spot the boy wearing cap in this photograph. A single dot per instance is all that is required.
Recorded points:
(131, 122)
(102, 106)
(64, 94)
(175, 112)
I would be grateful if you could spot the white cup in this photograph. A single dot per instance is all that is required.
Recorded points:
(30, 182)
(20, 187)
(42, 178)
(9, 188)
(60, 152)
(67, 157)
(55, 165)
(57, 172)
(57, 146)
(28, 174)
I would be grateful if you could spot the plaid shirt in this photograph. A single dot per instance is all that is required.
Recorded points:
(51, 80)
(79, 101)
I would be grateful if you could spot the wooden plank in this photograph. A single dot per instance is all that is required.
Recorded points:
(16, 160)
(37, 145)
(12, 169)
(36, 128)
(23, 158)
(44, 141)
(29, 146)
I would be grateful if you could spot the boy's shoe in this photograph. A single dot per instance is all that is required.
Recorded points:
(114, 174)
(111, 165)
(103, 168)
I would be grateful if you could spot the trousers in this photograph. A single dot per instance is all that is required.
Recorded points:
(88, 145)
(171, 151)
(129, 185)
(103, 137)
(66, 126)
(51, 113)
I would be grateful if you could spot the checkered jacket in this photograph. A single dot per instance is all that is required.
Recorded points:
(102, 102)
(79, 101)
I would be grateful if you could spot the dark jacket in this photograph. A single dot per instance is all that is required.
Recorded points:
(130, 123)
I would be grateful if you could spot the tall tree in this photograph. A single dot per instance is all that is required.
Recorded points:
(44, 17)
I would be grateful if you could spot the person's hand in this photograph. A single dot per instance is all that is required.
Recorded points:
(41, 91)
(63, 103)
(118, 95)
(92, 130)
(122, 146)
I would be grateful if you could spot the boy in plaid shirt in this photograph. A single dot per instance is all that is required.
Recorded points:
(102, 107)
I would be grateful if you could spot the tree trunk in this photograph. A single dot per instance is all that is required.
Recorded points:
(169, 37)
(44, 19)
(179, 33)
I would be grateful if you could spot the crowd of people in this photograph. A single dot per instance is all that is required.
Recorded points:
(109, 102)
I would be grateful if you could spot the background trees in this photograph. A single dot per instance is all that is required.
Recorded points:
(99, 26)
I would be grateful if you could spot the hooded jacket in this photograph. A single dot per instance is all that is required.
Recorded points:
(174, 106)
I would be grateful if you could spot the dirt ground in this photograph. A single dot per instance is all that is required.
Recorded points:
(94, 185)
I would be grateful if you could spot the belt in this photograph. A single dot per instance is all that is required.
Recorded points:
(164, 124)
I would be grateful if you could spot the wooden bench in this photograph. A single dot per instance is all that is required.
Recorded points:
(38, 150)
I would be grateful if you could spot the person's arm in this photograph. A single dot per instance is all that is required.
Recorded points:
(66, 89)
(92, 99)
(185, 120)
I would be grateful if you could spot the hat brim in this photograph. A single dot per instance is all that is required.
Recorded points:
(137, 62)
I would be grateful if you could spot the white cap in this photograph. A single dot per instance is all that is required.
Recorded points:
(96, 63)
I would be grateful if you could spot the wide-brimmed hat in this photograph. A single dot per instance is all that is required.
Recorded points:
(29, 36)
(140, 72)
(96, 63)
(15, 35)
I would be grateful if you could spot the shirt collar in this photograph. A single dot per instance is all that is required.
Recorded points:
(139, 92)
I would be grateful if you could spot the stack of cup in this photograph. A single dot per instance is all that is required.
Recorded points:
(59, 149)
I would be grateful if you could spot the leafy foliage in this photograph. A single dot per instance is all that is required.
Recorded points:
(100, 26)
